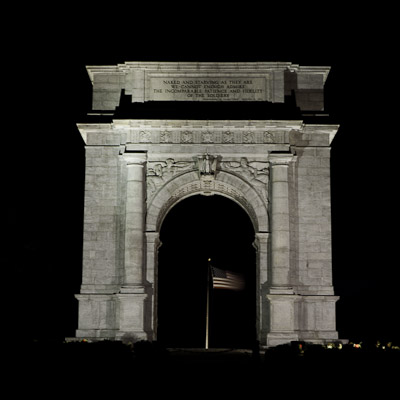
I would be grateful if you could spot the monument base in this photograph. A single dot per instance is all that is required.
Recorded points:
(278, 338)
(95, 334)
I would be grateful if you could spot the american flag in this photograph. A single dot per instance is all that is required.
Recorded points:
(226, 279)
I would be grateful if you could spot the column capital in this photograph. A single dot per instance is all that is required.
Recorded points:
(153, 239)
(132, 289)
(262, 237)
(152, 236)
(280, 158)
(135, 158)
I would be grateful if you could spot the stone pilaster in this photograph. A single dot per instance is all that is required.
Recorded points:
(134, 220)
(280, 221)
(281, 299)
(283, 321)
(133, 322)
(133, 297)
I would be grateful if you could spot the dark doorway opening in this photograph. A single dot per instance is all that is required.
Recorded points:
(196, 229)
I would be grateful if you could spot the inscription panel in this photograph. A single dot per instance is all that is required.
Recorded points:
(208, 88)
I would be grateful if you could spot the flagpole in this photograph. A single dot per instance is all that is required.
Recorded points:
(208, 303)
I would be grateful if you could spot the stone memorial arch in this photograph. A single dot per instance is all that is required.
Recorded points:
(278, 171)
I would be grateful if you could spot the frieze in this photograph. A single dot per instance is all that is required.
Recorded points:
(165, 137)
(205, 137)
(145, 137)
(228, 137)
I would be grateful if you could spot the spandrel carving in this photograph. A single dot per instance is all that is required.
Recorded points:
(255, 172)
(160, 172)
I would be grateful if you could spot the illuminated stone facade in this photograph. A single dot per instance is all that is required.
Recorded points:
(278, 171)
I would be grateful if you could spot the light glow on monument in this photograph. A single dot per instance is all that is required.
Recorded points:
(277, 171)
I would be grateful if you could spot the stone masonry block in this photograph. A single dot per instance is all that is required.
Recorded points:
(279, 174)
(281, 190)
(309, 161)
(281, 205)
(91, 151)
(106, 161)
(103, 138)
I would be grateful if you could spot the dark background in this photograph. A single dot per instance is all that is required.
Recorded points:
(198, 229)
(48, 92)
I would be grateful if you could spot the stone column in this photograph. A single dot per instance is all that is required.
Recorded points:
(280, 297)
(133, 297)
(280, 228)
(134, 220)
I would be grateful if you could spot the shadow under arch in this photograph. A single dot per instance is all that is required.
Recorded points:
(195, 229)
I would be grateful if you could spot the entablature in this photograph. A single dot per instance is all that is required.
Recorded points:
(253, 136)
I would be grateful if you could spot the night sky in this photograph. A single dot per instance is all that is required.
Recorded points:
(43, 153)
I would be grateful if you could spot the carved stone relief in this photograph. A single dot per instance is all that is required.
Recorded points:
(207, 165)
(269, 137)
(160, 172)
(228, 137)
(248, 137)
(145, 137)
(166, 137)
(205, 136)
(187, 137)
(254, 172)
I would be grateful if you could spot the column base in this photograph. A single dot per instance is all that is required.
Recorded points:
(135, 314)
(132, 289)
(132, 336)
(282, 316)
(319, 337)
(96, 334)
(278, 338)
(282, 290)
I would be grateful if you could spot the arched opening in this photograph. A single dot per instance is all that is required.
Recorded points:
(194, 230)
